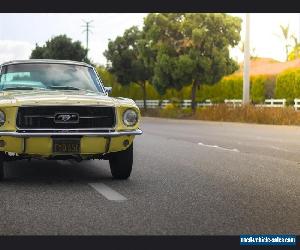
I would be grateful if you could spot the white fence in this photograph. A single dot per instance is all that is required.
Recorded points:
(233, 102)
(186, 104)
(272, 103)
(149, 103)
(152, 103)
(162, 104)
(297, 104)
(139, 103)
(204, 104)
(275, 103)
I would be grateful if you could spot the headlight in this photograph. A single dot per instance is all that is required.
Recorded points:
(130, 117)
(2, 118)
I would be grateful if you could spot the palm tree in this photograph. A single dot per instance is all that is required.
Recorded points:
(286, 36)
(296, 45)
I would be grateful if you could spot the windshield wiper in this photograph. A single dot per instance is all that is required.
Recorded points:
(64, 87)
(18, 88)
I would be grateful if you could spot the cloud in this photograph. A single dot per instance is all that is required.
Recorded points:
(47, 25)
(14, 50)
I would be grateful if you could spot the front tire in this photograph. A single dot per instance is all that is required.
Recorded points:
(121, 163)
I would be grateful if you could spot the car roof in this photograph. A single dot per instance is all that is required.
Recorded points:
(46, 61)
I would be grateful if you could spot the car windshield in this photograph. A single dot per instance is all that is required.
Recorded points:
(49, 76)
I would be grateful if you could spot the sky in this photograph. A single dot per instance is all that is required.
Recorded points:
(19, 32)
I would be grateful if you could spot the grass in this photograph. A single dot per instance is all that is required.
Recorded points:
(222, 112)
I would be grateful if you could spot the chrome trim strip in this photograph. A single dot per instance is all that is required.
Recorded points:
(100, 81)
(69, 129)
(81, 117)
(47, 134)
(46, 61)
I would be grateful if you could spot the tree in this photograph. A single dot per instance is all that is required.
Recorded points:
(294, 54)
(191, 48)
(125, 59)
(285, 36)
(61, 47)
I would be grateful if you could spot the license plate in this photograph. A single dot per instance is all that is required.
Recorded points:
(66, 146)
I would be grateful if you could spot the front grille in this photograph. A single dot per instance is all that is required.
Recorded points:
(45, 117)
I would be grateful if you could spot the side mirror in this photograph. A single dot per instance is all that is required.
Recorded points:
(108, 89)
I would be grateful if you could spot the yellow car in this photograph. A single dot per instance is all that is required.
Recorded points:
(60, 110)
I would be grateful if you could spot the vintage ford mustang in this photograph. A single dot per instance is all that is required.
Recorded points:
(60, 110)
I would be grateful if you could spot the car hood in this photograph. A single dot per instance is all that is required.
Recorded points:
(69, 97)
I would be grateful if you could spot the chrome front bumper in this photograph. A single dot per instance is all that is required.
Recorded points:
(71, 133)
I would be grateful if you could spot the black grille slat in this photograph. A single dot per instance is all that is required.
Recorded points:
(42, 117)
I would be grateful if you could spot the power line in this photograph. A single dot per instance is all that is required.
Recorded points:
(87, 29)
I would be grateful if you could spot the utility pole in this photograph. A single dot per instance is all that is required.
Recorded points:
(246, 78)
(87, 30)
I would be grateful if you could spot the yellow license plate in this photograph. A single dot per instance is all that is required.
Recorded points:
(66, 146)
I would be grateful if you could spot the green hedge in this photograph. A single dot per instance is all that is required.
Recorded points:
(230, 87)
(288, 85)
(262, 87)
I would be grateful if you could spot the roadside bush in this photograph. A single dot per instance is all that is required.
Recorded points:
(170, 111)
(212, 92)
(174, 95)
(222, 112)
(262, 87)
(229, 87)
(174, 111)
(249, 114)
(288, 85)
(257, 89)
(270, 86)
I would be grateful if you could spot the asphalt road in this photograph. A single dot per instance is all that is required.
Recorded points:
(189, 177)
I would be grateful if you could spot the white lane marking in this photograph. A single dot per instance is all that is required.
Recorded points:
(218, 147)
(107, 192)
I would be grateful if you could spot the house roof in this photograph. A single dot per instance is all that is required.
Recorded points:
(268, 66)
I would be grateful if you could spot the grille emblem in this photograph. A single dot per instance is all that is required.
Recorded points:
(66, 118)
